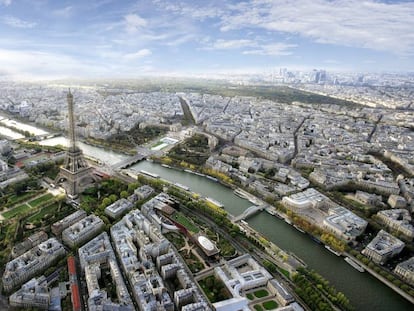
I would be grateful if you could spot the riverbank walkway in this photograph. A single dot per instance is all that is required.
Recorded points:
(383, 279)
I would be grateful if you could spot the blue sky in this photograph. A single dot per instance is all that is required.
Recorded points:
(120, 38)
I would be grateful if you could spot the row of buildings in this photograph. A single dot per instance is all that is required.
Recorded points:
(99, 116)
(96, 258)
(121, 206)
(150, 263)
(242, 276)
(320, 211)
(32, 262)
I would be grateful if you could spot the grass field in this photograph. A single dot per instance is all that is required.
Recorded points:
(270, 305)
(22, 197)
(16, 211)
(181, 219)
(261, 293)
(267, 305)
(157, 144)
(44, 211)
(40, 200)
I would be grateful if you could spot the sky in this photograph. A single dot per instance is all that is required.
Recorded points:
(47, 39)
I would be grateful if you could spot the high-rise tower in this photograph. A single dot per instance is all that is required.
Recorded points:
(75, 174)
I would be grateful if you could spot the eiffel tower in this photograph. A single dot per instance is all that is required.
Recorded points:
(75, 175)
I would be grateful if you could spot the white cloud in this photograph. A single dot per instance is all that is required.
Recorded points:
(363, 24)
(197, 12)
(252, 47)
(34, 64)
(134, 22)
(274, 49)
(140, 54)
(6, 2)
(232, 44)
(373, 24)
(17, 22)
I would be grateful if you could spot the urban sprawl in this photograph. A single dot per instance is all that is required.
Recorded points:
(343, 173)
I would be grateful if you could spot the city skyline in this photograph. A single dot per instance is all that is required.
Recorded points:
(108, 39)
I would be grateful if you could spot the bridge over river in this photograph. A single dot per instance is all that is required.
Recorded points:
(249, 212)
(128, 161)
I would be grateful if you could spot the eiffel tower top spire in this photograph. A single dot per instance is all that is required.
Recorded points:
(71, 127)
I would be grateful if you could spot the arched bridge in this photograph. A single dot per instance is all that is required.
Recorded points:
(249, 212)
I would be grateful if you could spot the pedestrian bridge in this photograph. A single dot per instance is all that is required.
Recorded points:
(249, 212)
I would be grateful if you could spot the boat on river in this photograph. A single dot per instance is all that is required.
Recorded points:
(299, 229)
(354, 264)
(215, 202)
(149, 174)
(240, 193)
(273, 213)
(332, 251)
(211, 178)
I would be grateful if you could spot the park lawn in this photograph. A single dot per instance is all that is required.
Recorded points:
(16, 211)
(270, 305)
(40, 200)
(44, 211)
(157, 144)
(258, 308)
(261, 293)
(214, 289)
(181, 219)
(250, 296)
(176, 238)
(21, 197)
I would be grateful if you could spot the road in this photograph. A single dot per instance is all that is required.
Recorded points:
(295, 137)
(374, 128)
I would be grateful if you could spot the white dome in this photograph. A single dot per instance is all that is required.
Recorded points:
(206, 243)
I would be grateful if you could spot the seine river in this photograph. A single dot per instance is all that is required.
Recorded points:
(106, 156)
(364, 291)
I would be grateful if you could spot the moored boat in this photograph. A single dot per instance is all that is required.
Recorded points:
(240, 194)
(211, 178)
(215, 202)
(332, 251)
(149, 174)
(353, 264)
(299, 229)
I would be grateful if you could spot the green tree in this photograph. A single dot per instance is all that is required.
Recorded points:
(124, 194)
(113, 198)
(106, 202)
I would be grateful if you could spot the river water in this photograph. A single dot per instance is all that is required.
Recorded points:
(10, 134)
(106, 156)
(22, 126)
(363, 290)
